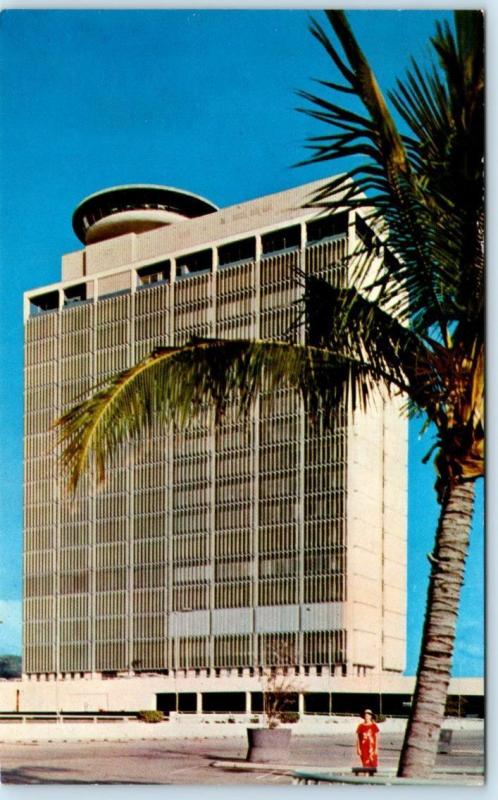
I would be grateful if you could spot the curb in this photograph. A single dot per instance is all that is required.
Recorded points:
(244, 766)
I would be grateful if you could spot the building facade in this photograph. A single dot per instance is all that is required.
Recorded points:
(217, 550)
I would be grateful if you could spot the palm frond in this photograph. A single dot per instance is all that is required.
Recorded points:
(173, 384)
(426, 187)
(343, 320)
(447, 118)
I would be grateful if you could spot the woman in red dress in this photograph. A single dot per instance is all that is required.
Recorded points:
(366, 741)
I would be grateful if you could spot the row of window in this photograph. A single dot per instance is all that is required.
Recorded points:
(195, 652)
(202, 261)
(322, 501)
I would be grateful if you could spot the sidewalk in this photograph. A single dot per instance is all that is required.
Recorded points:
(187, 727)
(385, 777)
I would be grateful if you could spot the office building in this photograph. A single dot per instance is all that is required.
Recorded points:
(218, 550)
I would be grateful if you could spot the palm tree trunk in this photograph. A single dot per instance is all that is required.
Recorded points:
(419, 751)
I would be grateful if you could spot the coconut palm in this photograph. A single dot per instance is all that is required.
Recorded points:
(410, 322)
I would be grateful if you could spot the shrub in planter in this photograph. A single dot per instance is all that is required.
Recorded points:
(280, 687)
(289, 716)
(150, 716)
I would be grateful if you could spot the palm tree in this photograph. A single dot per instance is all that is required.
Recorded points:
(413, 325)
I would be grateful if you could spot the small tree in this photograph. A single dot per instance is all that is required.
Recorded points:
(278, 691)
(280, 686)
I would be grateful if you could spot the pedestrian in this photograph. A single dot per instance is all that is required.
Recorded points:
(366, 741)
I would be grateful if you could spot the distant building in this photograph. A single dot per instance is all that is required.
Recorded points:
(213, 552)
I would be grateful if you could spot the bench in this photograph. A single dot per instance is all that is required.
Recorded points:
(363, 770)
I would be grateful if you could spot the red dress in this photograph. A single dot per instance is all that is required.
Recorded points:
(367, 743)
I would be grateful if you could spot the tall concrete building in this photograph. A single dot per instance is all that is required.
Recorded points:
(218, 550)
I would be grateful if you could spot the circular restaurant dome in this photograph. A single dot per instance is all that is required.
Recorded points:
(135, 208)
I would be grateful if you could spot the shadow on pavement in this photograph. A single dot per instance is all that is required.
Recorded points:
(41, 775)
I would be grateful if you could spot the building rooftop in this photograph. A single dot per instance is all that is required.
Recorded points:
(135, 208)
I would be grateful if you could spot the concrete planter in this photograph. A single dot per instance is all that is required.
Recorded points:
(269, 746)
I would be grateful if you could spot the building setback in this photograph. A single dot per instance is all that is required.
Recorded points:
(216, 550)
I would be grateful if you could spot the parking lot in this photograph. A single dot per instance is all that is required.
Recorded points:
(206, 761)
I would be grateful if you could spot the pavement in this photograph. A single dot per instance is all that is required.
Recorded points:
(214, 761)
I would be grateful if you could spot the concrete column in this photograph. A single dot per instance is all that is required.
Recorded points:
(248, 703)
(300, 700)
(198, 706)
(26, 307)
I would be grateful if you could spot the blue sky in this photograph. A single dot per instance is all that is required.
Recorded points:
(203, 100)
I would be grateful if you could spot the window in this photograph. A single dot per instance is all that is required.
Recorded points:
(75, 294)
(284, 239)
(195, 262)
(153, 273)
(243, 250)
(44, 302)
(326, 227)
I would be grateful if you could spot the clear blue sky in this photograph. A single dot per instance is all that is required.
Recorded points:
(203, 100)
